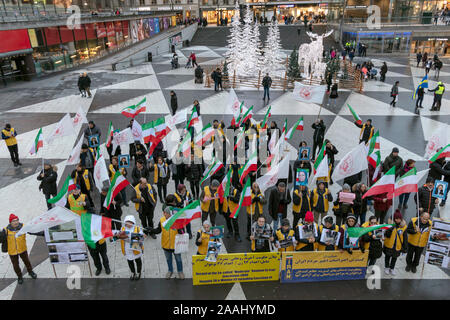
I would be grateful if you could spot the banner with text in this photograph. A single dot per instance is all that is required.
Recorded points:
(239, 267)
(323, 266)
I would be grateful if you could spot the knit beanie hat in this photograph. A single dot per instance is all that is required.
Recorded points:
(397, 214)
(12, 217)
(309, 217)
(285, 222)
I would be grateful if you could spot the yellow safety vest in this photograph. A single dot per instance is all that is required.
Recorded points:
(440, 90)
(167, 237)
(301, 245)
(205, 205)
(322, 247)
(11, 141)
(16, 245)
(389, 242)
(362, 130)
(231, 204)
(178, 197)
(252, 208)
(316, 199)
(138, 195)
(297, 207)
(122, 242)
(113, 171)
(156, 173)
(75, 204)
(281, 237)
(203, 248)
(85, 177)
(419, 239)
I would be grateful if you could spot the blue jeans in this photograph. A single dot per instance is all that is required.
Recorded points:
(168, 254)
(277, 222)
(403, 198)
(266, 91)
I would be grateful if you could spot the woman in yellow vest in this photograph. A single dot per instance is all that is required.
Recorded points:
(83, 178)
(17, 247)
(320, 197)
(168, 245)
(203, 238)
(328, 235)
(307, 234)
(210, 202)
(350, 222)
(285, 237)
(78, 202)
(301, 203)
(394, 242)
(372, 242)
(113, 167)
(132, 250)
(9, 135)
(161, 175)
(256, 209)
(417, 240)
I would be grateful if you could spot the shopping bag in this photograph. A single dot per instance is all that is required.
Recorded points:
(181, 243)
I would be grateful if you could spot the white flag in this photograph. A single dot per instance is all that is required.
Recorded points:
(177, 118)
(74, 157)
(272, 142)
(311, 94)
(63, 128)
(136, 130)
(283, 172)
(53, 217)
(352, 163)
(323, 168)
(100, 173)
(123, 137)
(279, 171)
(79, 118)
(439, 139)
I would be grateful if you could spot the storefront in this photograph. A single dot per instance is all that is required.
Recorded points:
(213, 16)
(431, 45)
(381, 42)
(310, 9)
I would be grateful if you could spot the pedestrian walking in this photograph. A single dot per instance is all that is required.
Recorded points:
(48, 177)
(418, 58)
(394, 93)
(9, 135)
(173, 102)
(383, 71)
(193, 59)
(266, 82)
(420, 94)
(333, 95)
(80, 86)
(86, 84)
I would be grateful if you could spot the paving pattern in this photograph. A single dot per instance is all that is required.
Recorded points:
(30, 106)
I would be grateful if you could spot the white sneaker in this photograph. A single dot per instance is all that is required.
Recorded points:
(386, 271)
(393, 272)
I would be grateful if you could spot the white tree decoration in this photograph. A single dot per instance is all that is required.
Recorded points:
(251, 40)
(310, 54)
(235, 45)
(273, 57)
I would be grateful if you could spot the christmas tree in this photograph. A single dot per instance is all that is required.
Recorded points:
(273, 58)
(235, 46)
(293, 68)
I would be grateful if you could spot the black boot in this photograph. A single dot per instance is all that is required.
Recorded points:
(32, 274)
(20, 280)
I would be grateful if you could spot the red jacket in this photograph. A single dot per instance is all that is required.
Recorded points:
(379, 205)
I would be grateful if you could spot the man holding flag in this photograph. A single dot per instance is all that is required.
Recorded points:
(419, 93)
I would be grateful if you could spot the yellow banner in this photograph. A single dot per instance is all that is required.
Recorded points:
(238, 267)
(323, 266)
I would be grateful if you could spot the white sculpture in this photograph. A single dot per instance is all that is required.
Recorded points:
(310, 54)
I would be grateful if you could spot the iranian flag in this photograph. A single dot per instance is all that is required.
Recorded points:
(38, 143)
(185, 146)
(249, 166)
(356, 232)
(409, 181)
(239, 139)
(155, 130)
(247, 115)
(355, 115)
(246, 199)
(61, 197)
(266, 118)
(322, 169)
(134, 110)
(374, 143)
(204, 135)
(95, 227)
(385, 184)
(443, 153)
(236, 114)
(182, 217)
(193, 119)
(117, 184)
(224, 189)
(375, 161)
(297, 126)
(110, 134)
(319, 157)
(213, 167)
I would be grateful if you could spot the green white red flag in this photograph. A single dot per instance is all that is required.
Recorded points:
(110, 134)
(193, 119)
(240, 138)
(38, 143)
(250, 165)
(181, 218)
(374, 143)
(247, 115)
(443, 153)
(205, 135)
(95, 227)
(213, 167)
(356, 232)
(236, 120)
(355, 115)
(385, 184)
(134, 110)
(375, 161)
(409, 181)
(319, 157)
(224, 188)
(266, 118)
(297, 126)
(185, 146)
(61, 197)
(245, 200)
(117, 184)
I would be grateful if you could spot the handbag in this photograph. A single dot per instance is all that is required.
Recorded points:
(4, 240)
(181, 243)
